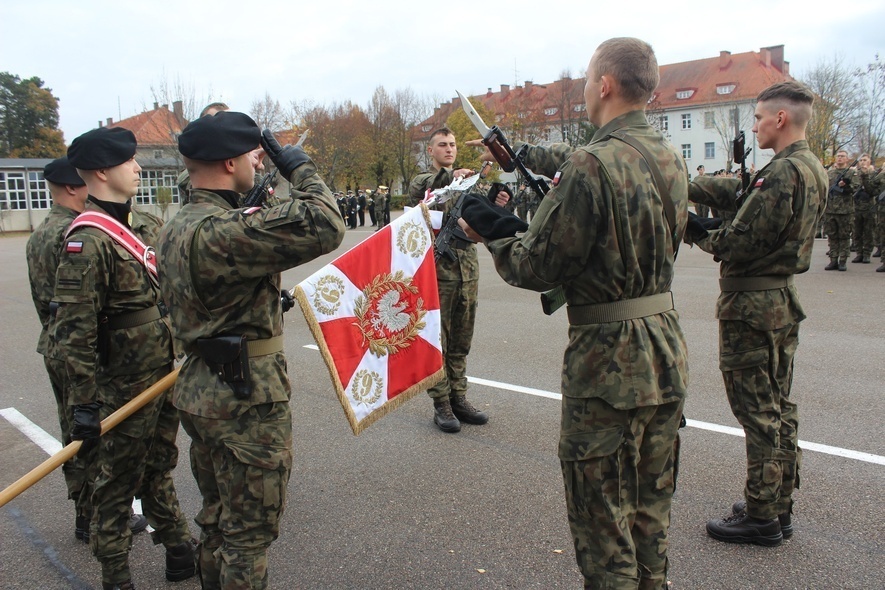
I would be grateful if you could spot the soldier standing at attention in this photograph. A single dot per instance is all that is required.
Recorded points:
(840, 207)
(700, 209)
(458, 282)
(759, 312)
(221, 270)
(382, 206)
(604, 233)
(361, 207)
(111, 328)
(865, 209)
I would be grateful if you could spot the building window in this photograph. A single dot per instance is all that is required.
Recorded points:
(686, 151)
(158, 154)
(683, 94)
(665, 122)
(580, 108)
(709, 150)
(426, 128)
(725, 88)
(151, 180)
(551, 111)
(709, 118)
(39, 191)
(686, 121)
(12, 191)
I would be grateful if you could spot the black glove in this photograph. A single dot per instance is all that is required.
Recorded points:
(286, 300)
(87, 424)
(698, 226)
(489, 220)
(497, 187)
(286, 159)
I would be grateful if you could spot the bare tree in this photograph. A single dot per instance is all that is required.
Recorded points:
(268, 113)
(728, 121)
(836, 89)
(870, 121)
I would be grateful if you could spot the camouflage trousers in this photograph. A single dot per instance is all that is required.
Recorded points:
(618, 470)
(457, 308)
(864, 235)
(702, 210)
(838, 228)
(135, 459)
(242, 468)
(880, 223)
(757, 367)
(75, 470)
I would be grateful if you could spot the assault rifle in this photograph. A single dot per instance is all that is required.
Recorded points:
(835, 188)
(509, 161)
(259, 192)
(740, 157)
(450, 230)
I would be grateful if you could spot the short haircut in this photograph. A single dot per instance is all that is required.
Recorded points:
(441, 131)
(218, 106)
(632, 63)
(793, 96)
(842, 152)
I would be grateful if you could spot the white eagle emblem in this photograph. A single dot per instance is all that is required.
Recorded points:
(389, 315)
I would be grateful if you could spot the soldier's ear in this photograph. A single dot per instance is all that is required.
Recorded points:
(230, 165)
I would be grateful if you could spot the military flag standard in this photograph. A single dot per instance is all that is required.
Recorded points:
(374, 313)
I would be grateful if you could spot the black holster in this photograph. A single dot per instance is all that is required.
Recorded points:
(103, 343)
(228, 357)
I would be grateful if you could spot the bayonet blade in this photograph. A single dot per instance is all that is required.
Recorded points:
(473, 116)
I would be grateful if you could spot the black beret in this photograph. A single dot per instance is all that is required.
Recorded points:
(104, 147)
(489, 220)
(224, 135)
(60, 171)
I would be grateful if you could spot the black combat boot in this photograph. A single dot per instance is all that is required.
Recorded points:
(866, 259)
(81, 528)
(842, 266)
(858, 258)
(881, 268)
(784, 519)
(127, 585)
(878, 252)
(465, 411)
(743, 528)
(443, 416)
(180, 561)
(833, 265)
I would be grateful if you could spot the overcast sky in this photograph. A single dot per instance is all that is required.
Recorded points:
(101, 57)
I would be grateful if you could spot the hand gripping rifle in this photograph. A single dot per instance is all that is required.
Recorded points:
(740, 157)
(835, 188)
(509, 161)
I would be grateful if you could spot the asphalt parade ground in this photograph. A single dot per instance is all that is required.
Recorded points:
(405, 506)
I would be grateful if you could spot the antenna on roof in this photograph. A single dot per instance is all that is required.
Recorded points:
(515, 75)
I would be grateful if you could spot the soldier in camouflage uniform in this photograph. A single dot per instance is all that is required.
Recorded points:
(458, 282)
(840, 208)
(111, 329)
(879, 191)
(602, 235)
(759, 312)
(68, 199)
(864, 210)
(221, 270)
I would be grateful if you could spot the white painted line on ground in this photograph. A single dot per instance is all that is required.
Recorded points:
(805, 445)
(40, 437)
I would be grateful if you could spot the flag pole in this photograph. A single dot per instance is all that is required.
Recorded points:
(56, 460)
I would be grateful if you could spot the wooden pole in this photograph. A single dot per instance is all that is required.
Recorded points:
(55, 461)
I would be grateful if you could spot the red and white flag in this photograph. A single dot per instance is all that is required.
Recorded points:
(374, 313)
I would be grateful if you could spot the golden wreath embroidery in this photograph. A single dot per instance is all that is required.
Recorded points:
(366, 387)
(383, 317)
(327, 297)
(411, 239)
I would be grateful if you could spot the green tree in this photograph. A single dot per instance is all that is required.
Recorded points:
(464, 131)
(28, 119)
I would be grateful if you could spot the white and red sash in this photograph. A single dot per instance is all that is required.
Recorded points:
(122, 235)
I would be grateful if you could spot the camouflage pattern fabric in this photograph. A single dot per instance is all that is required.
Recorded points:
(879, 189)
(864, 230)
(458, 282)
(220, 269)
(601, 234)
(42, 252)
(102, 281)
(381, 208)
(772, 234)
(619, 482)
(838, 218)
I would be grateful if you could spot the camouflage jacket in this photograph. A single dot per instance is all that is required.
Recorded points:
(840, 200)
(96, 282)
(220, 272)
(866, 191)
(772, 234)
(42, 253)
(601, 234)
(466, 267)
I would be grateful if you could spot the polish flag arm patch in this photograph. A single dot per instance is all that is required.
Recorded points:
(759, 183)
(74, 247)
